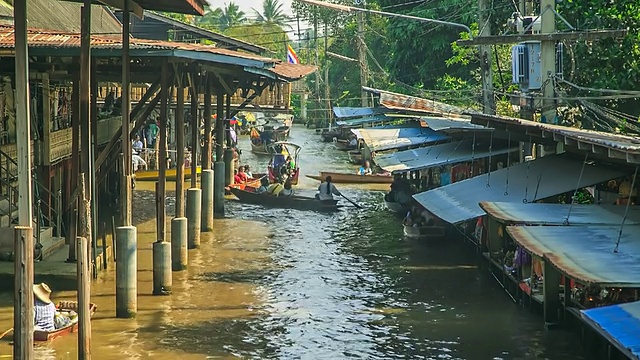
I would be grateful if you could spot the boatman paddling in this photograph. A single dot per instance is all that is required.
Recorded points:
(326, 190)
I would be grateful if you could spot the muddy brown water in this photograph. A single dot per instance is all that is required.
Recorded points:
(283, 284)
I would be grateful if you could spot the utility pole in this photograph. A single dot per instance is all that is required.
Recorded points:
(484, 21)
(548, 60)
(327, 90)
(362, 59)
(317, 62)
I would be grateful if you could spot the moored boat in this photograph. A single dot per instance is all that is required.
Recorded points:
(347, 178)
(424, 232)
(343, 145)
(152, 175)
(288, 202)
(40, 335)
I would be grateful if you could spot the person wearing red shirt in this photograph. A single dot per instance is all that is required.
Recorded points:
(236, 178)
(242, 175)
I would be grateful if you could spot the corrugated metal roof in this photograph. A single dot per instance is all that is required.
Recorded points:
(348, 112)
(555, 214)
(530, 181)
(193, 7)
(586, 253)
(396, 101)
(450, 124)
(38, 38)
(395, 138)
(365, 120)
(621, 323)
(585, 139)
(436, 155)
(63, 16)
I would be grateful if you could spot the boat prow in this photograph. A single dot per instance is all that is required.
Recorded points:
(424, 232)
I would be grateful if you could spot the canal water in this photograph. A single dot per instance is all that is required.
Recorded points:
(284, 284)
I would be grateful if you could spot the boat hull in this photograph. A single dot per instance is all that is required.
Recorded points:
(287, 202)
(344, 178)
(260, 149)
(343, 145)
(424, 232)
(153, 175)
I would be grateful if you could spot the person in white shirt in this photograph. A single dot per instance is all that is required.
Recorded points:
(137, 161)
(326, 190)
(137, 144)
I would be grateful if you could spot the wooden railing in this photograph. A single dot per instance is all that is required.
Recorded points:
(60, 141)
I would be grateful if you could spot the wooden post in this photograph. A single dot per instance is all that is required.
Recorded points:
(195, 129)
(179, 125)
(162, 154)
(84, 286)
(227, 120)
(206, 150)
(75, 163)
(220, 129)
(85, 111)
(126, 194)
(23, 247)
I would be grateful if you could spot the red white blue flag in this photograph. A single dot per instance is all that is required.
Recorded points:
(292, 57)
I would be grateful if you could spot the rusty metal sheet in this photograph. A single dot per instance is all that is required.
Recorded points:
(556, 214)
(381, 139)
(397, 101)
(586, 253)
(525, 182)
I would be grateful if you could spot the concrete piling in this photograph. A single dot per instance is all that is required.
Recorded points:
(219, 185)
(126, 272)
(206, 179)
(228, 166)
(162, 279)
(194, 203)
(179, 254)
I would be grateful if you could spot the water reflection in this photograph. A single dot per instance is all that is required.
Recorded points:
(274, 283)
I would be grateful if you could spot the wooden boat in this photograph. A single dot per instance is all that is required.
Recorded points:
(39, 335)
(152, 175)
(280, 150)
(347, 178)
(251, 184)
(329, 135)
(355, 157)
(424, 232)
(343, 145)
(303, 203)
(259, 148)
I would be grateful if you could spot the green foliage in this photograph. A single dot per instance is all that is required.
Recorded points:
(222, 19)
(268, 35)
(272, 13)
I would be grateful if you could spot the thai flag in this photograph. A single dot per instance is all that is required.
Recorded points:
(292, 57)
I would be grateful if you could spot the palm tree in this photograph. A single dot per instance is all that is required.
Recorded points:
(222, 19)
(272, 13)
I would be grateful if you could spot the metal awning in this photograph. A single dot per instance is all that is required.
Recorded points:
(451, 124)
(586, 254)
(403, 102)
(436, 155)
(348, 112)
(524, 182)
(620, 324)
(364, 120)
(395, 138)
(555, 214)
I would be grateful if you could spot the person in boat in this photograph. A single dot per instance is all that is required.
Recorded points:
(247, 171)
(236, 179)
(290, 164)
(264, 186)
(138, 161)
(275, 189)
(326, 190)
(43, 308)
(288, 190)
(242, 175)
(353, 142)
(365, 169)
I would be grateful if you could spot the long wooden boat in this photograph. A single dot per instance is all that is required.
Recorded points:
(348, 178)
(424, 232)
(328, 136)
(260, 149)
(251, 184)
(39, 335)
(303, 203)
(355, 157)
(152, 175)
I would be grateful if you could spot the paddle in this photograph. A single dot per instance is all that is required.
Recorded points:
(5, 333)
(352, 202)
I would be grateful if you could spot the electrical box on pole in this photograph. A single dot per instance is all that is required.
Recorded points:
(526, 65)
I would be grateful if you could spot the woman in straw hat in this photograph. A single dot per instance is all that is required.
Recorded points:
(44, 309)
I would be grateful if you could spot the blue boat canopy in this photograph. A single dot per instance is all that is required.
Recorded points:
(524, 182)
(620, 324)
(395, 138)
